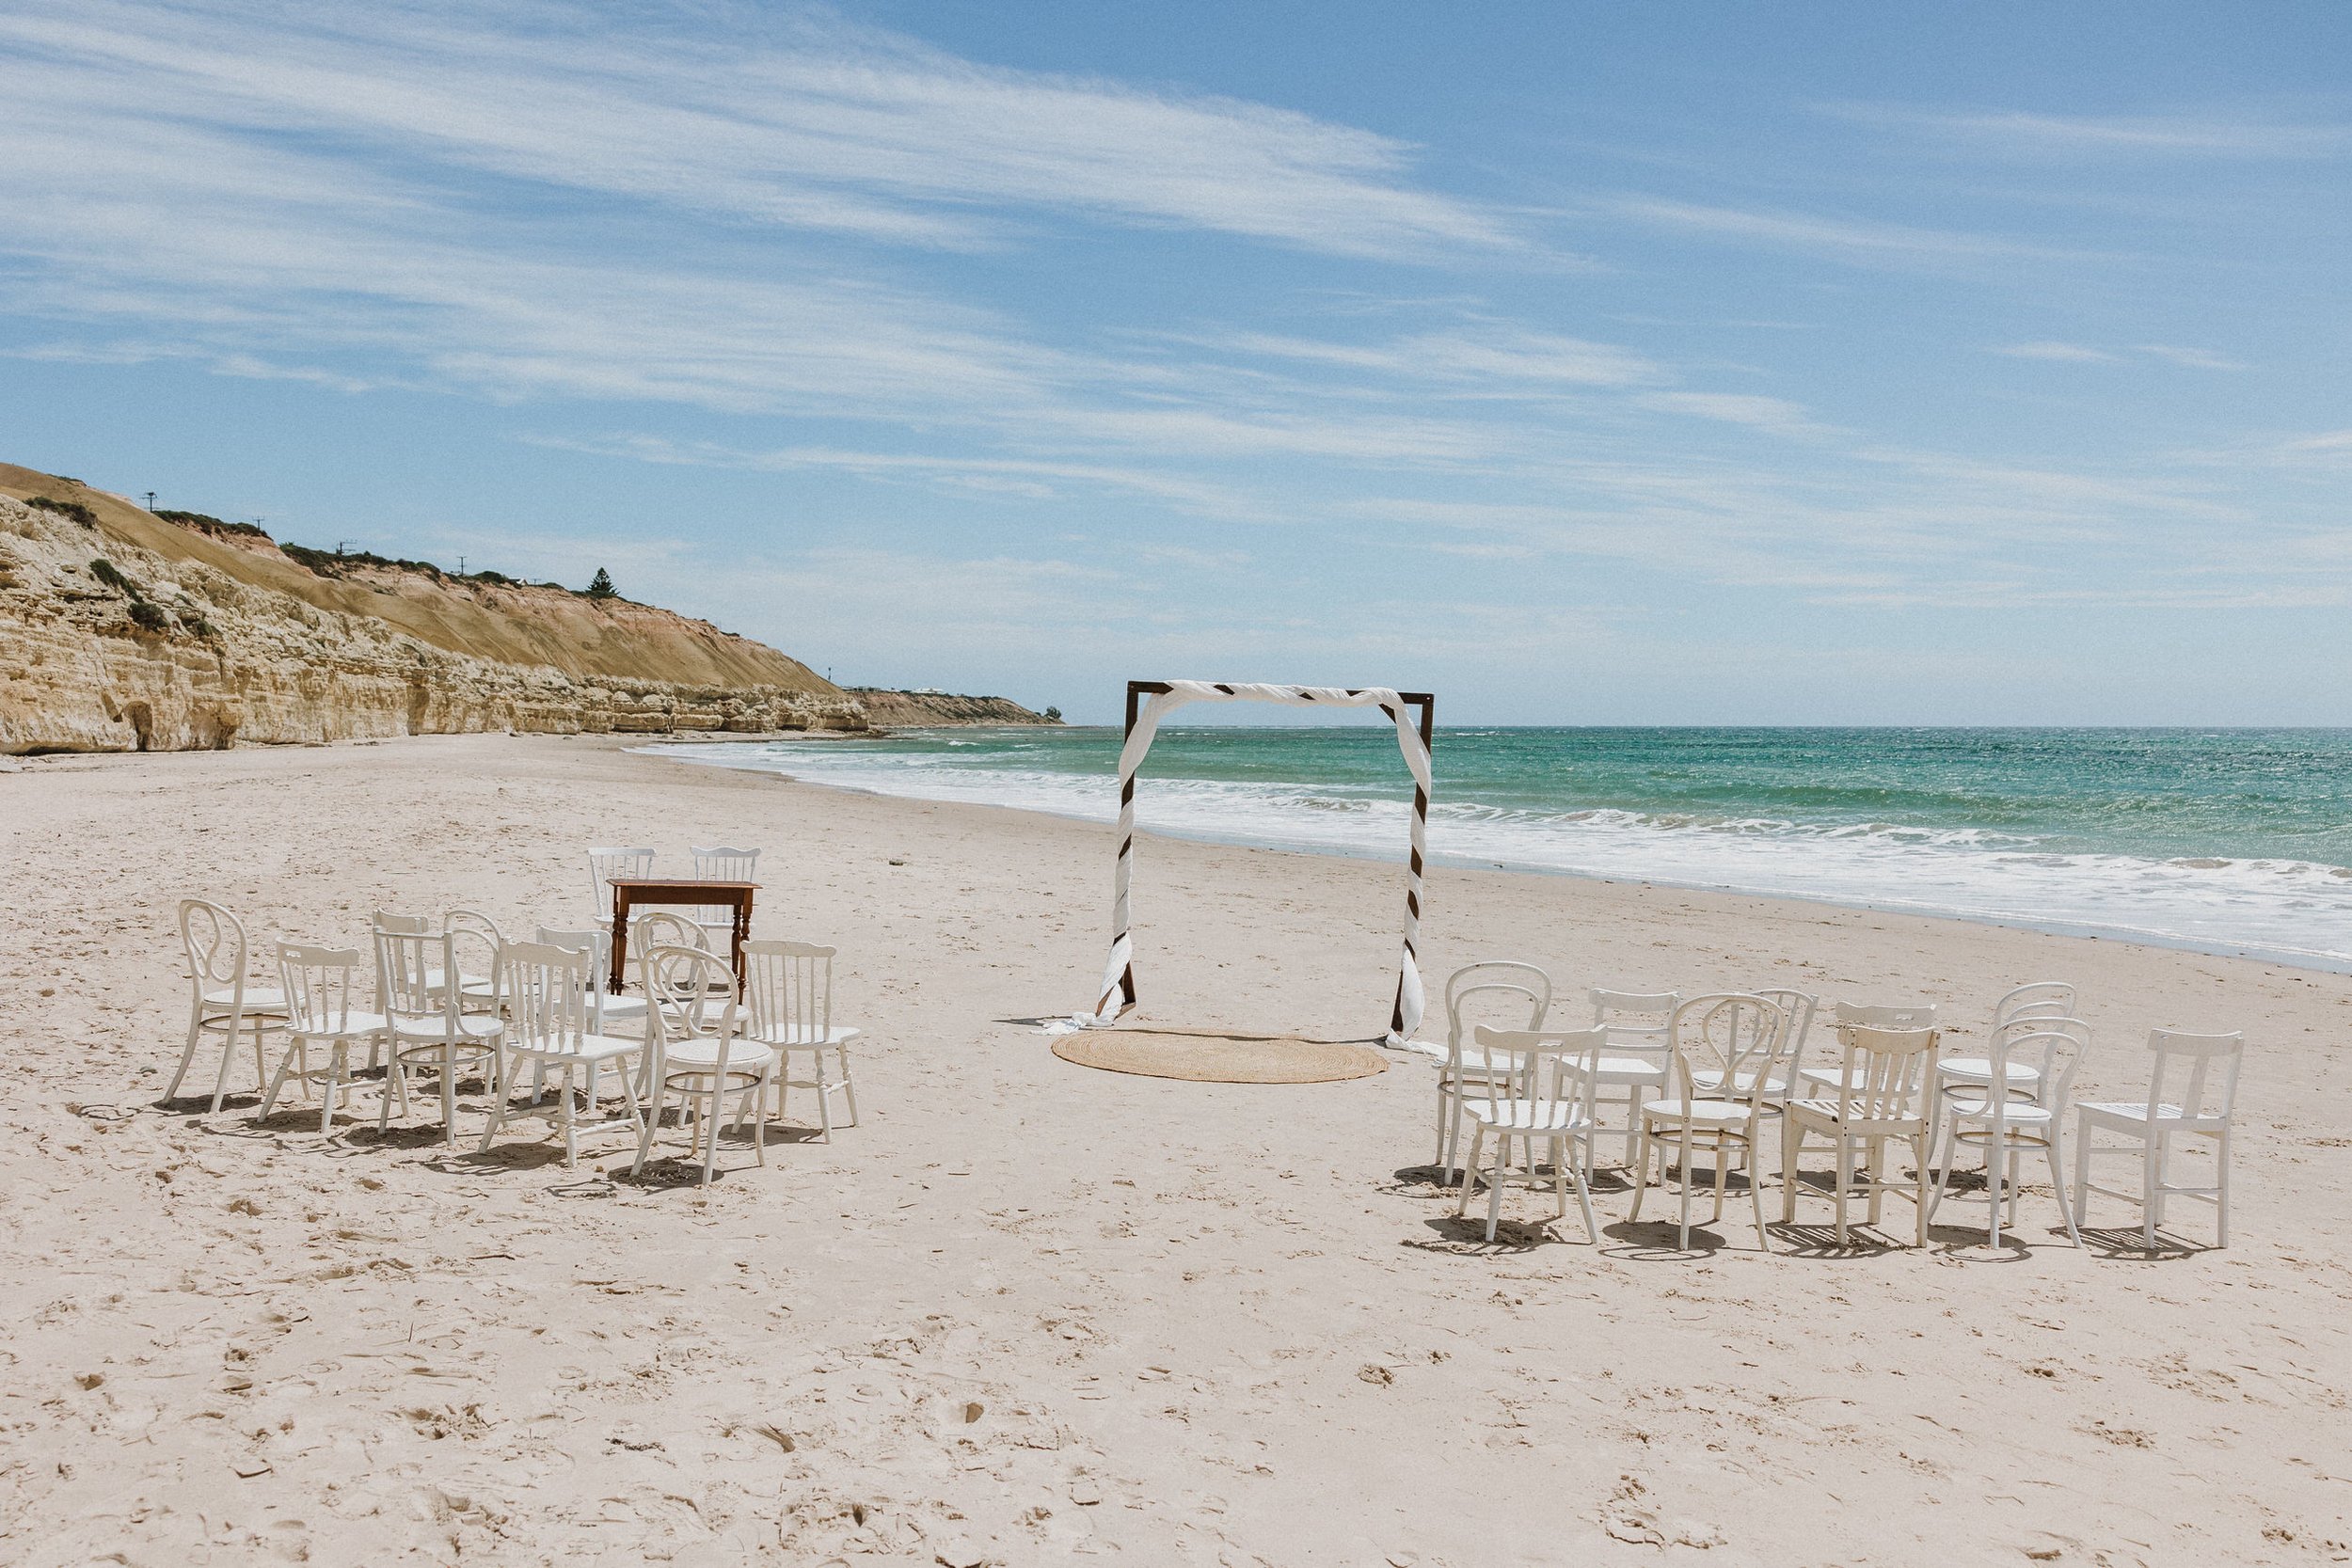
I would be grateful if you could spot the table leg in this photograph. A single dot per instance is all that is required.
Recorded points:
(620, 941)
(742, 932)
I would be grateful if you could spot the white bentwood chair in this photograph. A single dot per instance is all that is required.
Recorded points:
(1727, 1059)
(1492, 983)
(2004, 1126)
(2192, 1091)
(1636, 1024)
(698, 1051)
(222, 999)
(1537, 1089)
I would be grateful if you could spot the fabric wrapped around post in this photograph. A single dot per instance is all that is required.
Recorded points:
(1118, 993)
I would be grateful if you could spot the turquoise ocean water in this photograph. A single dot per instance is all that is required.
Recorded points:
(2226, 840)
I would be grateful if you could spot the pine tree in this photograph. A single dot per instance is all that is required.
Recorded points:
(601, 586)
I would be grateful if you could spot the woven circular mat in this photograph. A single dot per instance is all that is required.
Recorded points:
(1211, 1058)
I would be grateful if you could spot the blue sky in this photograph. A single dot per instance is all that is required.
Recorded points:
(1619, 364)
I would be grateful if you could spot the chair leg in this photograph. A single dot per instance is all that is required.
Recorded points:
(1682, 1238)
(711, 1129)
(1948, 1140)
(1844, 1179)
(503, 1094)
(849, 1084)
(1919, 1192)
(1640, 1170)
(824, 1100)
(1478, 1140)
(1791, 1146)
(571, 1127)
(645, 1133)
(2082, 1167)
(1584, 1193)
(2057, 1183)
(277, 1079)
(338, 1063)
(2221, 1186)
(448, 1093)
(1723, 1176)
(229, 1054)
(1993, 1165)
(1494, 1182)
(188, 1052)
(2151, 1166)
(1755, 1199)
(1874, 1162)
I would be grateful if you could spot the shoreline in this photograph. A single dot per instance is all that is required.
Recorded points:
(2324, 963)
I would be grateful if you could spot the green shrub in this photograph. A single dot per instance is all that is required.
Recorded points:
(107, 572)
(601, 586)
(196, 624)
(148, 616)
(206, 523)
(74, 510)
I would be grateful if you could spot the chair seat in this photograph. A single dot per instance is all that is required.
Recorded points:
(701, 1053)
(1527, 1116)
(473, 1028)
(794, 1039)
(587, 1048)
(2135, 1112)
(256, 999)
(622, 1007)
(1699, 1113)
(1824, 1114)
(1831, 1078)
(1774, 1083)
(1979, 1070)
(1625, 1069)
(353, 1026)
(2017, 1113)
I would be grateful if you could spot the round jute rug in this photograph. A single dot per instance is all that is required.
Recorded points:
(1207, 1057)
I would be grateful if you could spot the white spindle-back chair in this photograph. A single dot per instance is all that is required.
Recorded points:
(545, 993)
(1887, 1074)
(604, 866)
(223, 998)
(2192, 1092)
(1726, 1057)
(698, 1051)
(719, 862)
(321, 987)
(787, 990)
(429, 1023)
(1637, 1025)
(1537, 1089)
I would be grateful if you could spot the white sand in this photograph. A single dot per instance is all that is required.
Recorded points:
(1031, 1312)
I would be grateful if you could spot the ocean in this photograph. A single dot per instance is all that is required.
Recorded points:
(2226, 841)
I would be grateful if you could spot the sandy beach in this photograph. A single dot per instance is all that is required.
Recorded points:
(1030, 1312)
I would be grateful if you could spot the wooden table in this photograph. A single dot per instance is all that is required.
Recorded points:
(628, 891)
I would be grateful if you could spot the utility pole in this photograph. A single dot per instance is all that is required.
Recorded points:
(150, 501)
(461, 565)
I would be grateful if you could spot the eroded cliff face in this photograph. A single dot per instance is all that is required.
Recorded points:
(160, 652)
(888, 709)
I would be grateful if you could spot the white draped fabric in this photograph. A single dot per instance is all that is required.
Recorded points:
(1118, 975)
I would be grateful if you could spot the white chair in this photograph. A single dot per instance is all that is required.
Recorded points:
(2192, 1089)
(604, 866)
(698, 1051)
(1538, 1089)
(2004, 1127)
(546, 991)
(2027, 1060)
(477, 946)
(321, 985)
(427, 1023)
(1889, 1070)
(2029, 1004)
(222, 1000)
(1496, 982)
(787, 988)
(717, 863)
(606, 1007)
(1636, 1024)
(1733, 1042)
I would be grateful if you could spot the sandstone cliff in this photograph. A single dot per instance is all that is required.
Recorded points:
(121, 631)
(913, 709)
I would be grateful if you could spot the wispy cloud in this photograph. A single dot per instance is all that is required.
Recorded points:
(2064, 354)
(2210, 135)
(1773, 415)
(1854, 240)
(2081, 354)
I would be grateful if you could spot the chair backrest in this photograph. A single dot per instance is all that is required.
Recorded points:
(1635, 1020)
(409, 924)
(215, 941)
(717, 863)
(1537, 1071)
(1797, 1009)
(597, 944)
(1496, 982)
(606, 864)
(1731, 1041)
(546, 992)
(475, 944)
(706, 1008)
(2057, 1050)
(664, 928)
(321, 985)
(2196, 1073)
(411, 968)
(2035, 999)
(1885, 1072)
(1910, 1016)
(787, 992)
